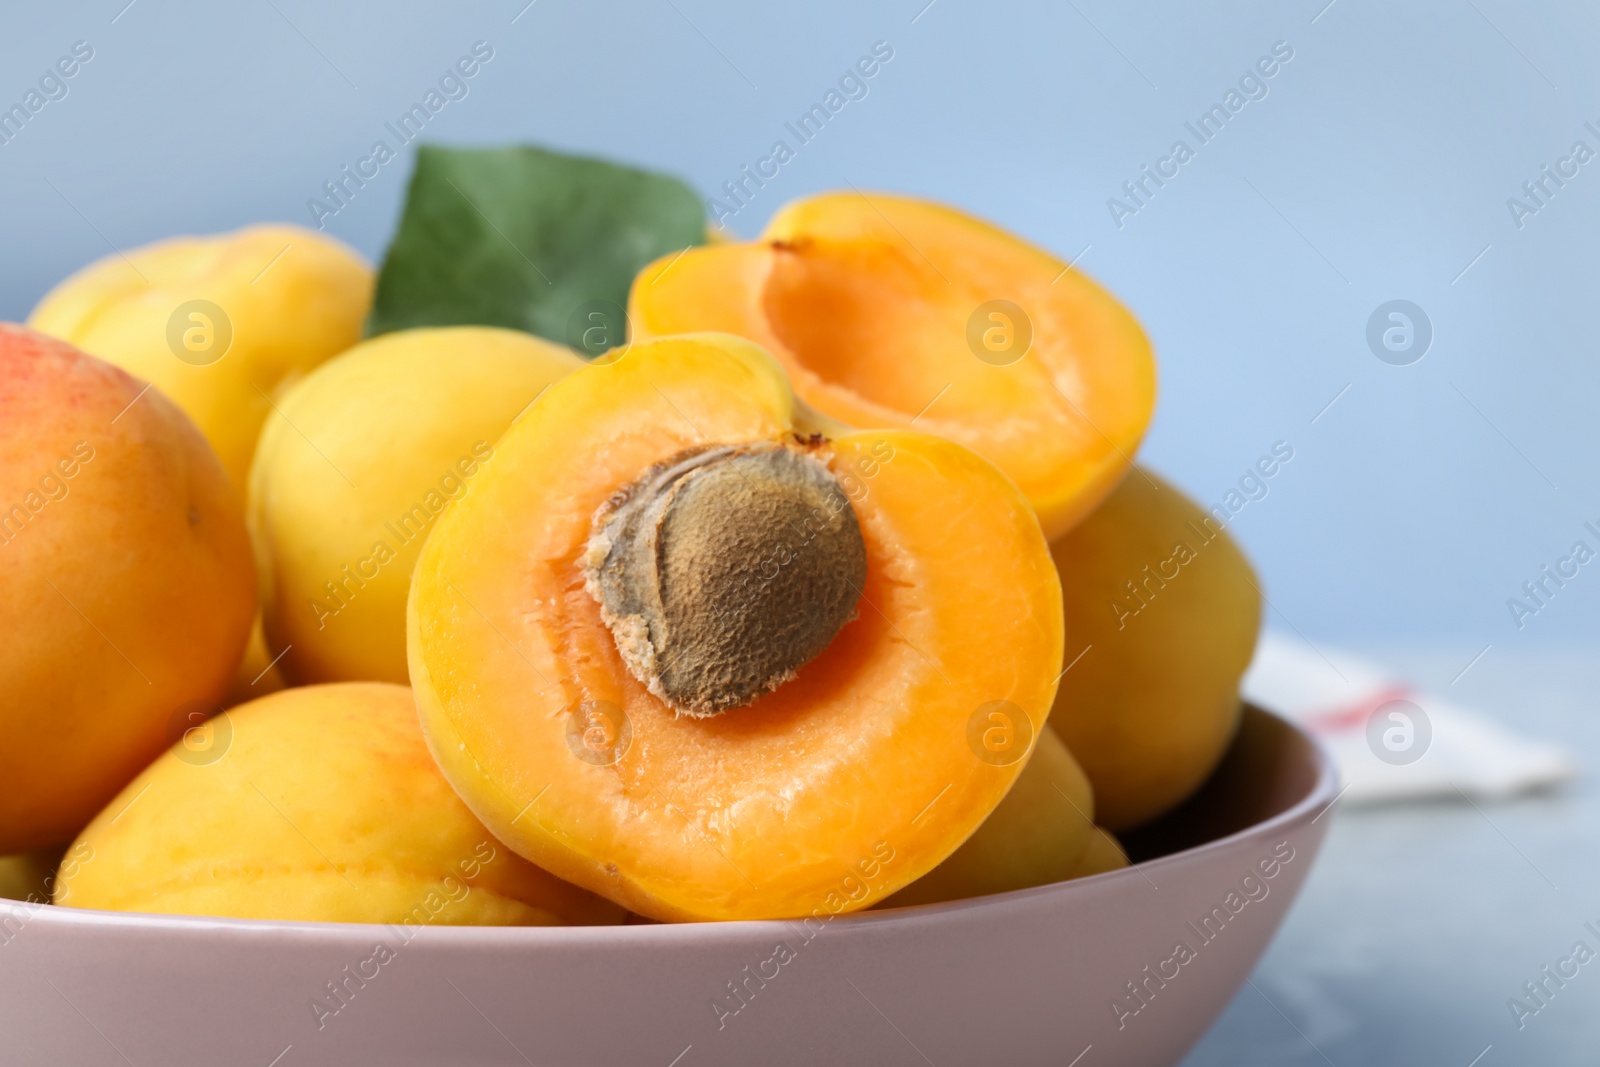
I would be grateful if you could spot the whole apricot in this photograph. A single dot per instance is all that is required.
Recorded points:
(222, 324)
(682, 649)
(1104, 854)
(354, 470)
(1162, 612)
(320, 803)
(126, 582)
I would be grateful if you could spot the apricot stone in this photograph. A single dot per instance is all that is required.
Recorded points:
(126, 582)
(354, 470)
(222, 324)
(319, 803)
(674, 558)
(1163, 609)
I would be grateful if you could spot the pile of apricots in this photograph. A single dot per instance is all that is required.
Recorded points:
(835, 587)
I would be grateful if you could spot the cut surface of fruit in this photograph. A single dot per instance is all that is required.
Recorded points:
(825, 794)
(889, 311)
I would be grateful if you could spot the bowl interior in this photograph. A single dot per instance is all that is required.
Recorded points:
(1269, 769)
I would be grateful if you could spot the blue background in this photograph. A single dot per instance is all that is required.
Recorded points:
(1378, 167)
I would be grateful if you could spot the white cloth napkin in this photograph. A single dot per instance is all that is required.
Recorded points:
(1391, 741)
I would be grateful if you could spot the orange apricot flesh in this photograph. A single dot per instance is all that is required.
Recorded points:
(890, 311)
(842, 785)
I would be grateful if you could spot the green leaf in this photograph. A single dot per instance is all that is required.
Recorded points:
(528, 239)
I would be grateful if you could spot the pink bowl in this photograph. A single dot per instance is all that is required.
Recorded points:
(1128, 967)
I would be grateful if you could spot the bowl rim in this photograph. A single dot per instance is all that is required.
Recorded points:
(1322, 793)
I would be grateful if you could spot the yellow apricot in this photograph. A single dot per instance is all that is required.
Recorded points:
(318, 803)
(222, 324)
(1163, 609)
(1103, 854)
(1040, 833)
(352, 473)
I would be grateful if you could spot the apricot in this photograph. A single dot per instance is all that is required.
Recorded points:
(126, 583)
(319, 803)
(792, 786)
(1163, 609)
(1040, 833)
(222, 324)
(1104, 854)
(369, 449)
(894, 312)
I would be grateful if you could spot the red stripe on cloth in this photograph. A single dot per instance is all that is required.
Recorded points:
(1354, 716)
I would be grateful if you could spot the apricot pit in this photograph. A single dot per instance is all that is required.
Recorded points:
(724, 570)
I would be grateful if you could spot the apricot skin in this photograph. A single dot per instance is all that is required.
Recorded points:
(320, 803)
(829, 793)
(1154, 701)
(367, 451)
(126, 584)
(1040, 833)
(291, 297)
(1103, 854)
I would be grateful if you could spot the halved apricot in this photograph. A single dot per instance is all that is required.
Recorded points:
(550, 701)
(890, 311)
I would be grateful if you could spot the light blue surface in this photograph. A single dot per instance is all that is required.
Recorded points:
(1420, 922)
(1377, 166)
